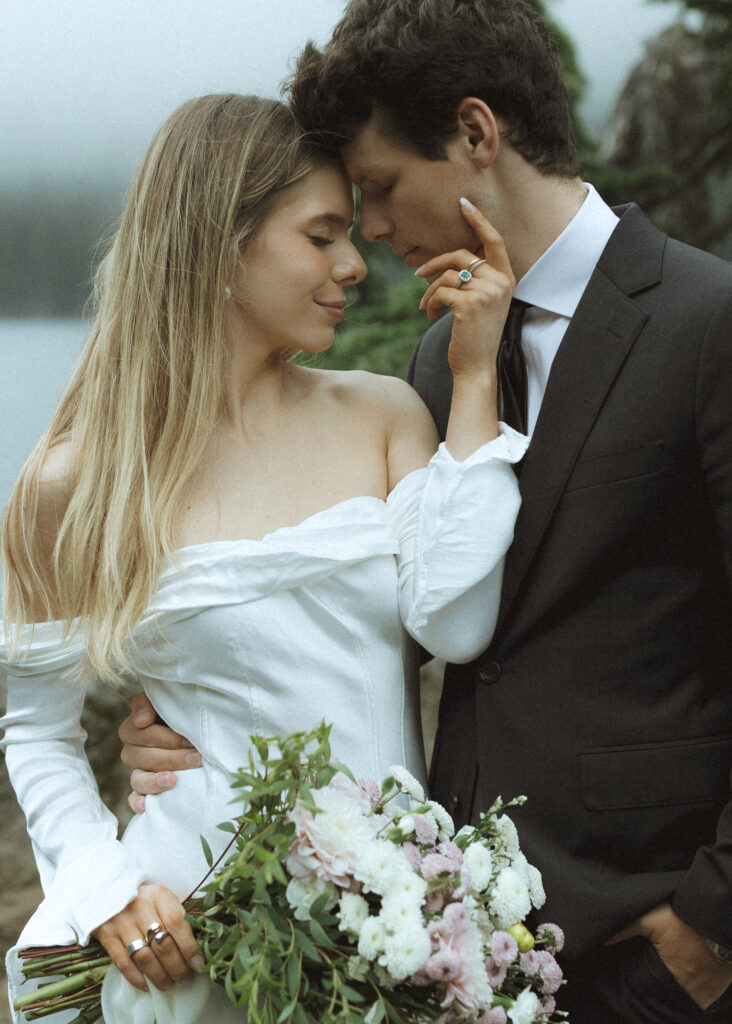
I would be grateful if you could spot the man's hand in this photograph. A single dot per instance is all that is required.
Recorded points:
(153, 751)
(684, 952)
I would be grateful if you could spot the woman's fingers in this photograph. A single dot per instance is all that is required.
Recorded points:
(494, 248)
(151, 939)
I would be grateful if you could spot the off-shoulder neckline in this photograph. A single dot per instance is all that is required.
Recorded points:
(308, 520)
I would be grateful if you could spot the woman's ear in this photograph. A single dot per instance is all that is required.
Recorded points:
(478, 129)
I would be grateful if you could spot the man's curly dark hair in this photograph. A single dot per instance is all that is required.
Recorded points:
(415, 60)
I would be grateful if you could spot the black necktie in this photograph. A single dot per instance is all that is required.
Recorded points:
(513, 395)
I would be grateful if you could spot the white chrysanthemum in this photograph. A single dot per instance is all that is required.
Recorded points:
(443, 821)
(301, 893)
(466, 830)
(526, 1008)
(379, 864)
(508, 839)
(406, 951)
(479, 862)
(412, 885)
(352, 912)
(400, 910)
(536, 886)
(371, 939)
(510, 901)
(406, 782)
(406, 825)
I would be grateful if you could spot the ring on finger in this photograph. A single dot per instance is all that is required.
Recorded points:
(463, 277)
(135, 946)
(160, 935)
(476, 263)
(152, 930)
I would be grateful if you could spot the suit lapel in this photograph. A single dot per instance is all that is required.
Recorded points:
(602, 332)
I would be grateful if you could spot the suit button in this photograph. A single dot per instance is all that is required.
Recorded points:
(490, 673)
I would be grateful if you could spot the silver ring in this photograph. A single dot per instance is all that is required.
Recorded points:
(476, 263)
(159, 936)
(135, 946)
(464, 276)
(152, 931)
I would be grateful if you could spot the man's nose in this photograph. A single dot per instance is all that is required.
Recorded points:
(375, 225)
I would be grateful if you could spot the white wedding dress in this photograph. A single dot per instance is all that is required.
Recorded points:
(264, 637)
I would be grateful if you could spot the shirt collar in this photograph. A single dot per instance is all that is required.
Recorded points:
(559, 277)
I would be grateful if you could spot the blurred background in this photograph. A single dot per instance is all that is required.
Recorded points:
(84, 84)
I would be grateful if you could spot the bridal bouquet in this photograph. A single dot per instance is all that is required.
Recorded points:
(347, 901)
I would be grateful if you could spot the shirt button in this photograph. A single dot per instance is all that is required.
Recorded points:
(490, 673)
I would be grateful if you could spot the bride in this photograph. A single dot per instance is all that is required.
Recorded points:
(255, 543)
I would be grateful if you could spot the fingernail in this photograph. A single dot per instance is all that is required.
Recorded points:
(139, 807)
(196, 962)
(194, 760)
(467, 205)
(419, 270)
(165, 781)
(141, 718)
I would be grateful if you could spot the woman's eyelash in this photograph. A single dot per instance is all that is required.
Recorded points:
(320, 240)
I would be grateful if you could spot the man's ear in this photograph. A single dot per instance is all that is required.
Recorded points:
(478, 130)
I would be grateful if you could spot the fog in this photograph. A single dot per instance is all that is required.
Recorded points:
(85, 83)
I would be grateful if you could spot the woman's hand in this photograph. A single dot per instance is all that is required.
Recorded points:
(169, 955)
(480, 305)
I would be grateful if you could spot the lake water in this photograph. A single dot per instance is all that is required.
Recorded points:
(36, 359)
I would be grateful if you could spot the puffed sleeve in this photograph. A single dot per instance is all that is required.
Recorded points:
(87, 875)
(455, 521)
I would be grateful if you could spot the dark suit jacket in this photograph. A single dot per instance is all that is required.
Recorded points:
(606, 693)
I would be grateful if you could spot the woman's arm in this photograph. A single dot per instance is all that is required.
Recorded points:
(89, 878)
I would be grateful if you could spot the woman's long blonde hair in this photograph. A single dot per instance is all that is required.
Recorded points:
(149, 388)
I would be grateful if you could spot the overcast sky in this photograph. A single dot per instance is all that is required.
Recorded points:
(85, 83)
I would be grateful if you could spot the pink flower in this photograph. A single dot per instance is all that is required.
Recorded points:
(444, 965)
(435, 864)
(496, 972)
(371, 789)
(550, 972)
(549, 1006)
(496, 1015)
(424, 830)
(413, 855)
(450, 850)
(435, 901)
(328, 845)
(456, 918)
(530, 962)
(504, 948)
(552, 934)
(464, 888)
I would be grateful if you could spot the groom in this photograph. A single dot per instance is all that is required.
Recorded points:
(606, 693)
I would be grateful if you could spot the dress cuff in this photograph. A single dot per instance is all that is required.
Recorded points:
(509, 446)
(85, 893)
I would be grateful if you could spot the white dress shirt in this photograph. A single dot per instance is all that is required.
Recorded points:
(553, 287)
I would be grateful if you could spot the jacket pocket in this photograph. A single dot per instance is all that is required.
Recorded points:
(618, 465)
(694, 771)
